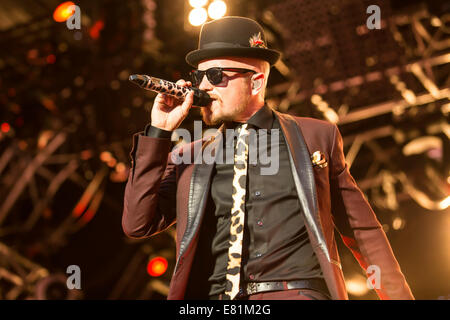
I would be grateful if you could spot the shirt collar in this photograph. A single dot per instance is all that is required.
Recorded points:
(262, 119)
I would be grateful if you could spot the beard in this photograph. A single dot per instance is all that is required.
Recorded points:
(214, 119)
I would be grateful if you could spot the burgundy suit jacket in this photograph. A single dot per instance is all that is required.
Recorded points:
(161, 191)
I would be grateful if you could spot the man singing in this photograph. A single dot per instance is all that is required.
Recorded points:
(243, 234)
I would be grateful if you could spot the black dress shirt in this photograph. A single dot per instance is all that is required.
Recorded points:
(276, 246)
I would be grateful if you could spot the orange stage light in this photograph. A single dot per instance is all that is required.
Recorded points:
(63, 11)
(157, 266)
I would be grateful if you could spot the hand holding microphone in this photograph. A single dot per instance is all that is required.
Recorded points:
(173, 102)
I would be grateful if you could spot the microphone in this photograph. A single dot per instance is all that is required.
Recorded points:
(201, 98)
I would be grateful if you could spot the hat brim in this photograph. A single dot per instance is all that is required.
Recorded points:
(269, 55)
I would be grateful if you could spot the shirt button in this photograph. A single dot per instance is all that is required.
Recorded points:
(252, 277)
(260, 223)
(258, 254)
(257, 193)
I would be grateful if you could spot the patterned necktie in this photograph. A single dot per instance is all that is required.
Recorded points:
(237, 214)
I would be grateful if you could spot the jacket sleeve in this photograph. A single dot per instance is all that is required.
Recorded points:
(150, 192)
(360, 229)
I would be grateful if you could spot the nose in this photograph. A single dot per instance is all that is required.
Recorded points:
(205, 84)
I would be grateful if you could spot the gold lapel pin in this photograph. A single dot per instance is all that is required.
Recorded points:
(318, 159)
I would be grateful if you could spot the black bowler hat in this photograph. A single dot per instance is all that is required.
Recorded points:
(232, 36)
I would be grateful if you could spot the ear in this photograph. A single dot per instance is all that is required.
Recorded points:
(257, 83)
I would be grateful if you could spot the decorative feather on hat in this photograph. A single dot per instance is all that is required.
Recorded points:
(257, 42)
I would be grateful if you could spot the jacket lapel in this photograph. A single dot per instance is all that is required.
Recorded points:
(303, 175)
(199, 189)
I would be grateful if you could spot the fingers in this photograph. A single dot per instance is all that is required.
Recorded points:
(184, 83)
(189, 99)
(170, 101)
(163, 99)
(187, 103)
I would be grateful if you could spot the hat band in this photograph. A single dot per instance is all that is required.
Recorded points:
(221, 45)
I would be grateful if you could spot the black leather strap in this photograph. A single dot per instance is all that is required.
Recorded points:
(258, 287)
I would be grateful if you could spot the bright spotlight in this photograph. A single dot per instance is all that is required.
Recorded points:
(217, 9)
(157, 266)
(198, 3)
(444, 204)
(357, 285)
(63, 11)
(197, 16)
(398, 223)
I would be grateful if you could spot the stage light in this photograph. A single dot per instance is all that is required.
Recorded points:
(198, 3)
(197, 16)
(120, 167)
(44, 138)
(217, 9)
(63, 11)
(51, 59)
(357, 285)
(94, 31)
(444, 204)
(111, 163)
(157, 266)
(106, 156)
(33, 54)
(398, 223)
(5, 127)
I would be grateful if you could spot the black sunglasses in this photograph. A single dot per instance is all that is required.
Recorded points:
(214, 75)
